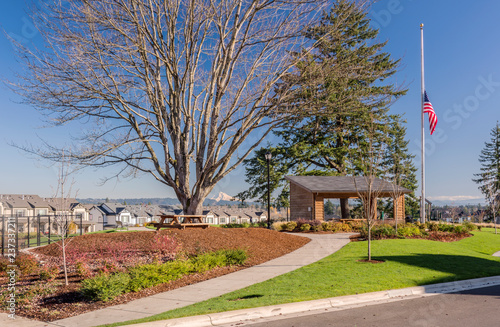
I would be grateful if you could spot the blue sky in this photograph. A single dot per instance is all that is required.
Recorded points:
(462, 71)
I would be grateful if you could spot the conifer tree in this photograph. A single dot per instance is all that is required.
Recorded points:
(338, 91)
(489, 177)
(398, 163)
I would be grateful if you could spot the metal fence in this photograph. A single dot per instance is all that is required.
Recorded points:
(20, 232)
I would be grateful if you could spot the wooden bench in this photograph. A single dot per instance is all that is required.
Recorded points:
(190, 221)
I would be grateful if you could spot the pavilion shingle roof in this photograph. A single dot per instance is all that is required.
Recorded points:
(342, 184)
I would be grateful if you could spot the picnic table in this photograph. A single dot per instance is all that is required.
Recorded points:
(187, 221)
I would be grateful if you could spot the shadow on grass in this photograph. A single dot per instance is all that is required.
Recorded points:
(458, 266)
(246, 297)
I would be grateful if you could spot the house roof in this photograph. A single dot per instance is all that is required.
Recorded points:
(27, 201)
(345, 185)
(62, 204)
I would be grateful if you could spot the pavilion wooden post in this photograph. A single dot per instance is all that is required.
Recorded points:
(319, 207)
(399, 205)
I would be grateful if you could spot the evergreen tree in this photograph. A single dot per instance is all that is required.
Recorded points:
(398, 164)
(339, 92)
(329, 208)
(489, 177)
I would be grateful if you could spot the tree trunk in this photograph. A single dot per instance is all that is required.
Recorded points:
(193, 205)
(344, 208)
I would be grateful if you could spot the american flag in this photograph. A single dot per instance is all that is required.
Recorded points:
(432, 115)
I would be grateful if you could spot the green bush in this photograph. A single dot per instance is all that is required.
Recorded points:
(356, 226)
(234, 256)
(305, 227)
(207, 261)
(105, 287)
(326, 226)
(379, 231)
(432, 226)
(278, 226)
(382, 231)
(409, 230)
(469, 226)
(460, 229)
(290, 226)
(446, 228)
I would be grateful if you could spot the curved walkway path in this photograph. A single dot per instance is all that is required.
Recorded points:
(321, 245)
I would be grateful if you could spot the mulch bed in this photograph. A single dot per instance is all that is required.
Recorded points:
(65, 301)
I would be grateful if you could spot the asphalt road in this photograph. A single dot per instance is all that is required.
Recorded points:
(476, 308)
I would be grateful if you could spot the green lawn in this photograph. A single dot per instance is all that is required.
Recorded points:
(407, 263)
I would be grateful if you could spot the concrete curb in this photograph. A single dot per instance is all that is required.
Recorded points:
(335, 303)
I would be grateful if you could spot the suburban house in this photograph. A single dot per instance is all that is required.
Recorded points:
(116, 212)
(224, 215)
(38, 213)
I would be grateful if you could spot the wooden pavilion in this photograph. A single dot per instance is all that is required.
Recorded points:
(307, 193)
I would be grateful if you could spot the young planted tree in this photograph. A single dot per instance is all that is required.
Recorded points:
(368, 186)
(167, 88)
(63, 220)
(331, 91)
(489, 177)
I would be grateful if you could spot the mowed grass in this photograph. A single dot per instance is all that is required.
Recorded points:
(407, 263)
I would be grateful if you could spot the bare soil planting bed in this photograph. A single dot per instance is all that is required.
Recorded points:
(52, 300)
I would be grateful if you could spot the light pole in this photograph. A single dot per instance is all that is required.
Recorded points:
(268, 158)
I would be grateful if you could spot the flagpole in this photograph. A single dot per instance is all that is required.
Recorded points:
(422, 199)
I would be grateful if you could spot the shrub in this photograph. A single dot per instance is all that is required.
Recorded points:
(315, 224)
(105, 287)
(290, 226)
(83, 270)
(207, 261)
(344, 227)
(325, 226)
(48, 273)
(305, 227)
(469, 226)
(278, 226)
(445, 228)
(27, 264)
(356, 226)
(432, 226)
(383, 231)
(262, 224)
(301, 222)
(409, 230)
(4, 263)
(165, 246)
(145, 276)
(460, 229)
(235, 256)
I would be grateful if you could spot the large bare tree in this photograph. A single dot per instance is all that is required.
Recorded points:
(169, 88)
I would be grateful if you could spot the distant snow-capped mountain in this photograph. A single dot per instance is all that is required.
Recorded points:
(221, 197)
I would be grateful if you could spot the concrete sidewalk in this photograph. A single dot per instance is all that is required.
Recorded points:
(320, 246)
